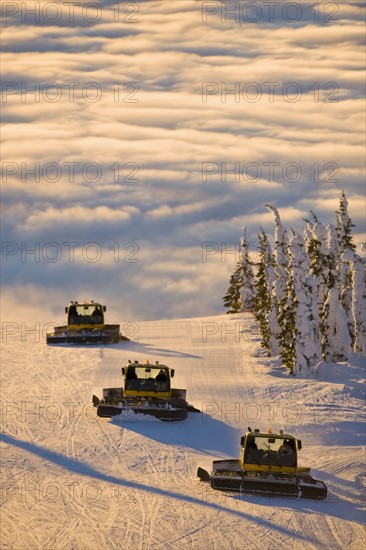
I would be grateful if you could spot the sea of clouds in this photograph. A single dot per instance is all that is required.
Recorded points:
(140, 137)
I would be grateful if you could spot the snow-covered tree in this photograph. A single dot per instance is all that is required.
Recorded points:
(344, 225)
(287, 319)
(263, 286)
(248, 282)
(336, 341)
(358, 305)
(319, 259)
(322, 246)
(278, 291)
(345, 242)
(345, 292)
(301, 343)
(310, 293)
(333, 255)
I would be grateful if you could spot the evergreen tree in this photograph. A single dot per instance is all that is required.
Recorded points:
(323, 264)
(336, 341)
(358, 307)
(300, 338)
(240, 294)
(319, 261)
(345, 242)
(320, 245)
(333, 254)
(345, 289)
(263, 285)
(344, 225)
(287, 319)
(232, 298)
(278, 291)
(248, 288)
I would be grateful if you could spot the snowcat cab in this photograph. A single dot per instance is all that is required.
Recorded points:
(267, 465)
(85, 324)
(147, 380)
(269, 453)
(86, 316)
(146, 390)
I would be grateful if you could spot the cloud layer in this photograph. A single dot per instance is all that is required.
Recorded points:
(142, 131)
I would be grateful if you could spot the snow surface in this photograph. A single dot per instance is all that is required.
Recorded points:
(73, 481)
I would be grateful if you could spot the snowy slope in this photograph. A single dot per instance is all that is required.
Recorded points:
(73, 481)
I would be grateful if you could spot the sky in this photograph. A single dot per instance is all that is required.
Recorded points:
(139, 138)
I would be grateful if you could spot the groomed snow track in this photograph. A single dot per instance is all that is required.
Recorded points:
(73, 480)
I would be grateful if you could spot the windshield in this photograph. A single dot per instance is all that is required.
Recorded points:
(270, 451)
(85, 314)
(147, 378)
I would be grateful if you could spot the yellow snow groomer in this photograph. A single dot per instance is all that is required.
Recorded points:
(146, 390)
(267, 465)
(85, 324)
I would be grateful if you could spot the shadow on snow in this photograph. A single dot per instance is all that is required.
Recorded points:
(344, 510)
(199, 431)
(85, 470)
(131, 346)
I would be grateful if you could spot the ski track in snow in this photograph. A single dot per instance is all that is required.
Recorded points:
(73, 481)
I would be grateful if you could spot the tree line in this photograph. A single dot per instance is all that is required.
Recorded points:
(307, 291)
